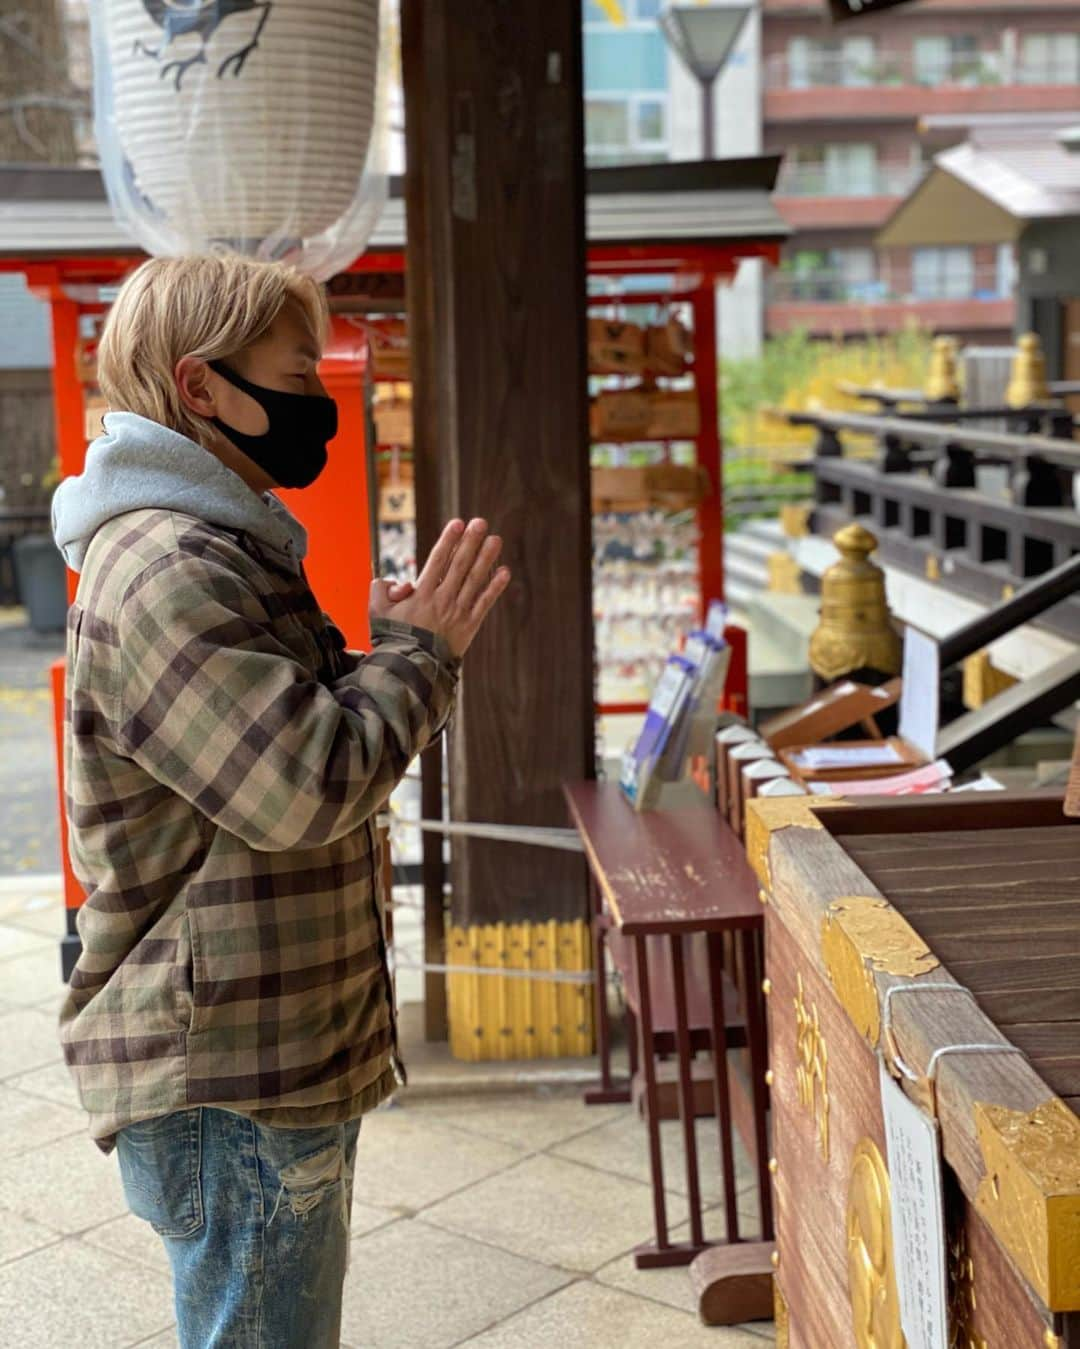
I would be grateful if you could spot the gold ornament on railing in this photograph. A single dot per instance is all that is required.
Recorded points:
(1027, 382)
(856, 630)
(943, 381)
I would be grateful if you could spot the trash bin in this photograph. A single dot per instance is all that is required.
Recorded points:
(42, 581)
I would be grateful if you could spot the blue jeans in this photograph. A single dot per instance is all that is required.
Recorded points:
(255, 1221)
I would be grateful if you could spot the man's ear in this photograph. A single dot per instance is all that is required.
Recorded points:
(194, 381)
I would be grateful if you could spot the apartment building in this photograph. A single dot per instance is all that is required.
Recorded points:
(858, 109)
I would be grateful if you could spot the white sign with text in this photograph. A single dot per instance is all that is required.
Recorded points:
(918, 1217)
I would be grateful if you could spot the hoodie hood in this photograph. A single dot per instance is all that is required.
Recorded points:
(139, 464)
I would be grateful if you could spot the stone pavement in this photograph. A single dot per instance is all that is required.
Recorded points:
(503, 1221)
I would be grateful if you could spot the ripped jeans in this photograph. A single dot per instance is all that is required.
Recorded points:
(255, 1221)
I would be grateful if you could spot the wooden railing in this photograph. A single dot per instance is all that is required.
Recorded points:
(926, 495)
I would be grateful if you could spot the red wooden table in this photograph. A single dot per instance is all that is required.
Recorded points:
(679, 878)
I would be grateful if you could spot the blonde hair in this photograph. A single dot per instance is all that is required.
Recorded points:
(208, 306)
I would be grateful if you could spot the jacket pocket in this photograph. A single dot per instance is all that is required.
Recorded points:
(161, 1169)
(197, 972)
(183, 975)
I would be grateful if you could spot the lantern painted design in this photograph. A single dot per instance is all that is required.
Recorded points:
(255, 125)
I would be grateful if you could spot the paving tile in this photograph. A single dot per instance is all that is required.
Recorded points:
(22, 894)
(17, 941)
(41, 914)
(407, 1163)
(367, 1218)
(30, 1121)
(411, 1284)
(532, 1122)
(131, 1239)
(68, 1186)
(28, 1039)
(669, 1285)
(587, 1314)
(33, 979)
(622, 1146)
(53, 1083)
(19, 1236)
(72, 1294)
(168, 1339)
(555, 1211)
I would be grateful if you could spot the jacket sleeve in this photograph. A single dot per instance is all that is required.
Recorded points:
(211, 703)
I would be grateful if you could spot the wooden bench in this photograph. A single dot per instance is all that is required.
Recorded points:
(672, 889)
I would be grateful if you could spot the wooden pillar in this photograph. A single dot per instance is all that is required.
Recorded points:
(496, 265)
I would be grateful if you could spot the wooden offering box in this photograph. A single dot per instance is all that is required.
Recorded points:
(976, 893)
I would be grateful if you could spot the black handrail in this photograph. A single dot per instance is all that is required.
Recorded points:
(921, 408)
(1057, 388)
(1063, 453)
(1029, 602)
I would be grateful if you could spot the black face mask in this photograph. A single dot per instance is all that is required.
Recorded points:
(292, 449)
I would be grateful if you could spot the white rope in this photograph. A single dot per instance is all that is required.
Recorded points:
(401, 961)
(539, 836)
(943, 1050)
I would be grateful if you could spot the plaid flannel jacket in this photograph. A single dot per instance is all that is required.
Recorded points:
(224, 759)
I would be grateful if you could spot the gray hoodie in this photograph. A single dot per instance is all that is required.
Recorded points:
(139, 464)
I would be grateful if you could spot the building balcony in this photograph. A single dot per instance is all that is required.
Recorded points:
(795, 9)
(894, 86)
(817, 196)
(828, 305)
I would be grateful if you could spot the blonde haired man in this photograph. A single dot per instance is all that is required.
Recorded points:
(230, 1018)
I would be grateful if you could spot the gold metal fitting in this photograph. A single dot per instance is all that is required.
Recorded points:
(763, 896)
(943, 383)
(774, 1166)
(774, 1259)
(769, 1078)
(1027, 382)
(766, 986)
(855, 631)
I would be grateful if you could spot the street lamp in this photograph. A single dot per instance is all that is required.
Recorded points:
(702, 37)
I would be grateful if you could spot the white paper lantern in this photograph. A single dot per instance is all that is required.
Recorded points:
(256, 125)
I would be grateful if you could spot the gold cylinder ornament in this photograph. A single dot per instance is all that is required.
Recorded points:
(855, 631)
(943, 381)
(1027, 382)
